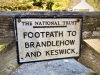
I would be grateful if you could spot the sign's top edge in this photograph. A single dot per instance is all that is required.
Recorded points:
(48, 16)
(13, 13)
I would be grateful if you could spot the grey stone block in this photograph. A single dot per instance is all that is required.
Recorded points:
(54, 67)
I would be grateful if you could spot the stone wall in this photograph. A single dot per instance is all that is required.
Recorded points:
(91, 23)
(91, 26)
(6, 29)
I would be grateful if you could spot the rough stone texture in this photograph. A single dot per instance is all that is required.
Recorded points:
(91, 23)
(8, 59)
(6, 29)
(94, 43)
(8, 64)
(56, 67)
(90, 57)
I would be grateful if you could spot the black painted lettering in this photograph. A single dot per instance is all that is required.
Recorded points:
(72, 50)
(53, 43)
(61, 51)
(47, 53)
(69, 23)
(23, 23)
(57, 43)
(52, 22)
(27, 23)
(68, 51)
(36, 23)
(56, 23)
(67, 42)
(30, 34)
(38, 53)
(43, 22)
(33, 54)
(74, 33)
(47, 33)
(72, 42)
(51, 34)
(71, 33)
(61, 34)
(62, 43)
(65, 51)
(73, 22)
(38, 44)
(31, 44)
(27, 55)
(48, 43)
(56, 52)
(27, 45)
(55, 33)
(37, 34)
(43, 44)
(46, 23)
(52, 52)
(64, 22)
(24, 34)
(40, 23)
(42, 33)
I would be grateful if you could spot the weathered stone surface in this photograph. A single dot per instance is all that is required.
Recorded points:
(90, 57)
(91, 23)
(8, 64)
(94, 43)
(55, 67)
(8, 59)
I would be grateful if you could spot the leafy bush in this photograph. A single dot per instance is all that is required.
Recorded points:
(95, 4)
(60, 5)
(49, 5)
(18, 5)
(3, 46)
(38, 3)
(15, 5)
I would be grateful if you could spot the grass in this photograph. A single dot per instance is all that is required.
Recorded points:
(3, 46)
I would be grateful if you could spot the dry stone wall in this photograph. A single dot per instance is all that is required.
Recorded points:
(90, 29)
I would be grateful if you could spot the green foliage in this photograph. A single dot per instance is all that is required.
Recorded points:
(60, 5)
(30, 5)
(95, 4)
(54, 5)
(3, 46)
(15, 5)
(49, 5)
(38, 3)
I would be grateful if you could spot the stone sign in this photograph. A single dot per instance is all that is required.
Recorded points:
(45, 38)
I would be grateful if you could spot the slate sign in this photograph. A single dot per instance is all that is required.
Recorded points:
(47, 37)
